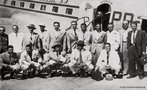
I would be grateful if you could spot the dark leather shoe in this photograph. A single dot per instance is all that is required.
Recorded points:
(131, 76)
(141, 77)
(2, 77)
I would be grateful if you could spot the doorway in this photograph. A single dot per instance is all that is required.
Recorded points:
(102, 16)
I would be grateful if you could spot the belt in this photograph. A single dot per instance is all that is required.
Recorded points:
(124, 41)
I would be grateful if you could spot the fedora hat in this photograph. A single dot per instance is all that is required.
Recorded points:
(31, 26)
(56, 44)
(80, 43)
(42, 25)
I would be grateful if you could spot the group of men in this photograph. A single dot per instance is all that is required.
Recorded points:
(75, 50)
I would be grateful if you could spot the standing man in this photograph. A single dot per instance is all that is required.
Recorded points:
(56, 36)
(136, 49)
(16, 39)
(123, 45)
(97, 38)
(84, 35)
(33, 38)
(112, 37)
(9, 62)
(44, 36)
(3, 40)
(72, 37)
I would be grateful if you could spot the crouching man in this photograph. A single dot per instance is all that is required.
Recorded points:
(51, 60)
(30, 61)
(81, 63)
(9, 63)
(108, 62)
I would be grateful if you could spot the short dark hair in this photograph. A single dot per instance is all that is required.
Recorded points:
(107, 44)
(9, 46)
(134, 22)
(15, 26)
(29, 45)
(3, 28)
(74, 22)
(56, 23)
(84, 24)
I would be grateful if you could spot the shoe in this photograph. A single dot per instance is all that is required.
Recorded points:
(131, 76)
(141, 77)
(2, 77)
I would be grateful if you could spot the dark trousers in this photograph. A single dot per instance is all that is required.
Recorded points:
(133, 61)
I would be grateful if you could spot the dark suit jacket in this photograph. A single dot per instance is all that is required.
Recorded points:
(140, 41)
(6, 59)
(3, 43)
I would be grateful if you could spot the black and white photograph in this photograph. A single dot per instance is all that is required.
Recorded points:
(73, 45)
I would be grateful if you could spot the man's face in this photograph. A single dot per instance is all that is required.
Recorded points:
(56, 26)
(79, 47)
(10, 50)
(15, 29)
(125, 26)
(42, 29)
(134, 27)
(110, 27)
(83, 28)
(29, 50)
(98, 27)
(31, 30)
(74, 25)
(1, 30)
(57, 48)
(107, 47)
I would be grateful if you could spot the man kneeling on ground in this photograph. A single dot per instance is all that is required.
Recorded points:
(108, 62)
(81, 60)
(30, 60)
(9, 62)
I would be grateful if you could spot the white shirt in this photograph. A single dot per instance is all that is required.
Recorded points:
(114, 60)
(84, 37)
(114, 39)
(132, 41)
(16, 41)
(86, 56)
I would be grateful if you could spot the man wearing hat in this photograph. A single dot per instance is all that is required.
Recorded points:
(81, 59)
(44, 36)
(51, 59)
(33, 38)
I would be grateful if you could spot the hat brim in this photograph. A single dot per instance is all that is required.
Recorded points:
(42, 26)
(56, 45)
(31, 27)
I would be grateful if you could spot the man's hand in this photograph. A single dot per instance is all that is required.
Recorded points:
(143, 53)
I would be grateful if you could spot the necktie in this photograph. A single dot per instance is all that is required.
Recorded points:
(107, 58)
(75, 34)
(81, 61)
(133, 37)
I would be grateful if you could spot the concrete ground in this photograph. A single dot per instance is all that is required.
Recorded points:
(72, 83)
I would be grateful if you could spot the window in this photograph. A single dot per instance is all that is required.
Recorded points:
(69, 11)
(22, 4)
(55, 9)
(32, 6)
(13, 3)
(43, 7)
(5, 1)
